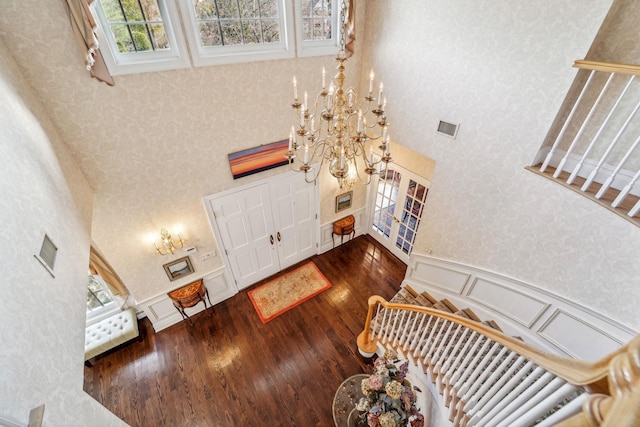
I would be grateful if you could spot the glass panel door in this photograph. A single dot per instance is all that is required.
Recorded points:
(411, 215)
(385, 203)
(398, 207)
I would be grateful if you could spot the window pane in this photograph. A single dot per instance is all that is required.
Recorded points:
(251, 32)
(159, 36)
(97, 295)
(210, 34)
(141, 38)
(151, 10)
(228, 9)
(112, 10)
(249, 9)
(231, 33)
(271, 31)
(205, 9)
(317, 20)
(132, 10)
(269, 9)
(123, 38)
(145, 31)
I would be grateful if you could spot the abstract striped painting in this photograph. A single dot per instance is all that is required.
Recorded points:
(258, 159)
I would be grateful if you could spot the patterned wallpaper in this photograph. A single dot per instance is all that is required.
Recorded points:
(501, 70)
(41, 191)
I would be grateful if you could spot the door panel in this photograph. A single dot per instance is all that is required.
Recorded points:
(266, 227)
(293, 204)
(399, 200)
(244, 221)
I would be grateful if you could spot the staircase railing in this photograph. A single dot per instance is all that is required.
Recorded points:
(594, 146)
(486, 378)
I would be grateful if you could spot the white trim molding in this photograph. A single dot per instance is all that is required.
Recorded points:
(161, 312)
(543, 319)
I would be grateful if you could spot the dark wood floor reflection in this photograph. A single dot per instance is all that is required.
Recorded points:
(232, 370)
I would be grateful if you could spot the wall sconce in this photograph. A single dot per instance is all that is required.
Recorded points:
(168, 244)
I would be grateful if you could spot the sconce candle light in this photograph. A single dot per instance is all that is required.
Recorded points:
(168, 244)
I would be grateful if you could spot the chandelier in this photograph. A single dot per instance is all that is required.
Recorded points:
(335, 128)
(168, 244)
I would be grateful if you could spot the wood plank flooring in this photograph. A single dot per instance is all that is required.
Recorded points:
(230, 369)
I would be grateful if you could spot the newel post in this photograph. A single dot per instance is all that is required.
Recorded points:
(366, 343)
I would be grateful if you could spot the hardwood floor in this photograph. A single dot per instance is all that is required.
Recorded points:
(230, 369)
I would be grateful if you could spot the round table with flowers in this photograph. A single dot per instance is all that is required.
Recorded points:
(385, 398)
(345, 400)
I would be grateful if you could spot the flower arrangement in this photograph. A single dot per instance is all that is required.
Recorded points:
(390, 400)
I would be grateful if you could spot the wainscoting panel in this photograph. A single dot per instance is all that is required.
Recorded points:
(514, 304)
(584, 335)
(442, 277)
(541, 318)
(162, 313)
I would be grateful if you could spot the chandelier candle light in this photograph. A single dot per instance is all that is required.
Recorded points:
(334, 129)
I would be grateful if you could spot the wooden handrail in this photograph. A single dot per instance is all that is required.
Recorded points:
(614, 380)
(607, 67)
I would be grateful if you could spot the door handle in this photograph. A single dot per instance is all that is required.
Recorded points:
(396, 219)
(271, 238)
(278, 235)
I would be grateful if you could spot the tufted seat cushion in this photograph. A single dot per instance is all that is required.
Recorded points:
(110, 333)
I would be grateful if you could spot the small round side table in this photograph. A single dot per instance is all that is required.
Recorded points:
(345, 400)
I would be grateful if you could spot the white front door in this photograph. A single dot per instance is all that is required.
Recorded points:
(246, 229)
(293, 206)
(265, 227)
(399, 198)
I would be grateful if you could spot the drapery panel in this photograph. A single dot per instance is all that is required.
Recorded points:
(98, 265)
(84, 27)
(350, 28)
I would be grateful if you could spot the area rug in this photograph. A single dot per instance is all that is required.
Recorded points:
(288, 291)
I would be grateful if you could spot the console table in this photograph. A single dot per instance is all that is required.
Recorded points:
(188, 296)
(343, 227)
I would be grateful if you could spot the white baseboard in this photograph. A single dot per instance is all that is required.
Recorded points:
(328, 242)
(162, 313)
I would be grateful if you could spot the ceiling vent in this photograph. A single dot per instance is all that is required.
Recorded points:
(47, 254)
(448, 129)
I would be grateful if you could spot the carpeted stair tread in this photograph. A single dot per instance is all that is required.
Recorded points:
(468, 314)
(446, 306)
(404, 296)
(492, 324)
(424, 301)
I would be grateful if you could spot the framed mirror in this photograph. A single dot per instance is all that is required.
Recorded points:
(178, 268)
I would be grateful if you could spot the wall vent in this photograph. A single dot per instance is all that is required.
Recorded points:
(448, 129)
(47, 254)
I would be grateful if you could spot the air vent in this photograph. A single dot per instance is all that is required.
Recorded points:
(47, 255)
(448, 129)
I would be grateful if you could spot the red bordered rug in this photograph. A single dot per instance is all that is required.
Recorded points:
(287, 291)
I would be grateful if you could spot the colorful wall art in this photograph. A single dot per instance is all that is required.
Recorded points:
(258, 159)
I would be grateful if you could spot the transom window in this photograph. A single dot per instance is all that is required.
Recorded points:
(137, 26)
(146, 35)
(234, 22)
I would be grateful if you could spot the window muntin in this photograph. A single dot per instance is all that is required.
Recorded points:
(99, 298)
(228, 31)
(140, 36)
(136, 25)
(146, 35)
(316, 21)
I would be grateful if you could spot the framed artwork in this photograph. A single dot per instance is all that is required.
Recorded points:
(343, 201)
(178, 268)
(258, 159)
